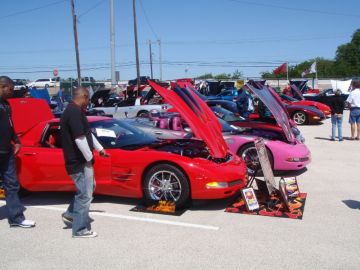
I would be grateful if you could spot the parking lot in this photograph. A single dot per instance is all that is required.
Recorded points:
(205, 237)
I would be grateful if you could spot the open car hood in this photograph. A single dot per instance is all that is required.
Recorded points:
(102, 93)
(198, 116)
(296, 92)
(300, 84)
(271, 100)
(28, 112)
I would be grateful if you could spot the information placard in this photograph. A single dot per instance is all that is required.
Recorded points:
(250, 199)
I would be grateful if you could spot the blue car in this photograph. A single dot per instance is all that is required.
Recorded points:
(230, 94)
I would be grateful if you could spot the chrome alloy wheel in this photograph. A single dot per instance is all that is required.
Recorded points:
(299, 118)
(251, 159)
(164, 185)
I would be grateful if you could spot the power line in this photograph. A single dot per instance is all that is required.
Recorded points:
(296, 9)
(147, 20)
(209, 42)
(31, 10)
(90, 9)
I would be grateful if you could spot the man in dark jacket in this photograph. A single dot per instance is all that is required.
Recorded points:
(9, 147)
(337, 105)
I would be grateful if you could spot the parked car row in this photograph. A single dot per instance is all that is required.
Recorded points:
(182, 150)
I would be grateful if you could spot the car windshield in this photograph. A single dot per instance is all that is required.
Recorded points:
(225, 114)
(113, 133)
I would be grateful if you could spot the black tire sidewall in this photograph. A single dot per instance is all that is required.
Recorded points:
(251, 145)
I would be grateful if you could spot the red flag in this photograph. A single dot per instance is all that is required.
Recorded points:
(281, 69)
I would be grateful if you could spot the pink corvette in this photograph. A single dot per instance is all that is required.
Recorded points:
(286, 150)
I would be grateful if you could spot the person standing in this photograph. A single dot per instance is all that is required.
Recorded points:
(337, 106)
(354, 103)
(78, 143)
(9, 148)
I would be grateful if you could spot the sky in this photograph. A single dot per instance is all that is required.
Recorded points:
(197, 36)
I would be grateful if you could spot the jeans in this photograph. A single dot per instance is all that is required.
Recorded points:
(11, 186)
(336, 120)
(79, 207)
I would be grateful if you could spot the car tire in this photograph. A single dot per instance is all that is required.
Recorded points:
(142, 113)
(300, 118)
(166, 182)
(249, 154)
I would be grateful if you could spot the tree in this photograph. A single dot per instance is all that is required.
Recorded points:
(236, 75)
(346, 64)
(223, 76)
(205, 76)
(348, 57)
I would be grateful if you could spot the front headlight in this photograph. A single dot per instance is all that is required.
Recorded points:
(216, 185)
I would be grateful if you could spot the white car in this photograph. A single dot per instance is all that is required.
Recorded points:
(42, 83)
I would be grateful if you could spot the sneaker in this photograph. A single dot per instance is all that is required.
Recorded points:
(26, 223)
(68, 221)
(85, 234)
(333, 140)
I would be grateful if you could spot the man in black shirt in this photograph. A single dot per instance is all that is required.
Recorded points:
(8, 151)
(78, 143)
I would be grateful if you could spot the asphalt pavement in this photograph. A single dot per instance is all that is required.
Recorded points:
(205, 237)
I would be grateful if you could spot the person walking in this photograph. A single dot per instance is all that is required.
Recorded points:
(9, 148)
(337, 105)
(78, 143)
(353, 101)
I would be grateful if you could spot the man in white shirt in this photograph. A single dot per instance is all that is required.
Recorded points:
(354, 103)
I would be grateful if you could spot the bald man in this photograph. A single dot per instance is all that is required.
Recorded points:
(78, 143)
(9, 147)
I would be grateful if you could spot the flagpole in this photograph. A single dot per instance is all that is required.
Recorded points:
(287, 70)
(316, 75)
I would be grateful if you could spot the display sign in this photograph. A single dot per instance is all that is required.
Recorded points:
(292, 187)
(55, 72)
(250, 199)
(265, 164)
(239, 84)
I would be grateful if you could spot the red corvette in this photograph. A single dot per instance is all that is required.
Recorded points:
(293, 101)
(138, 165)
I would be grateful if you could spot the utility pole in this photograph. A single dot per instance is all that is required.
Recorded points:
(112, 43)
(151, 66)
(160, 60)
(136, 49)
(76, 42)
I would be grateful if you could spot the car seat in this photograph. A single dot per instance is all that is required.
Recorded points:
(164, 123)
(176, 123)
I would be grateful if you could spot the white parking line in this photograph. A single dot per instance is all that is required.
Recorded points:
(150, 220)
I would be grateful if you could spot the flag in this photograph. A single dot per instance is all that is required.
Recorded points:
(281, 69)
(310, 70)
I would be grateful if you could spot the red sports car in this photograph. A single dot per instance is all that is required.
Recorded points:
(293, 101)
(138, 165)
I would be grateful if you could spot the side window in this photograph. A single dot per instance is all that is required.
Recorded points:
(52, 137)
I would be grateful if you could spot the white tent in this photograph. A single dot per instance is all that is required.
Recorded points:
(344, 86)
